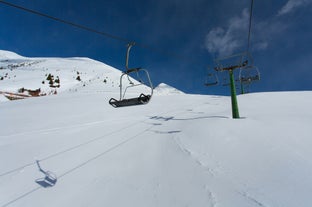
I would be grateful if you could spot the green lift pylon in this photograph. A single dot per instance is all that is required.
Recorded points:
(235, 111)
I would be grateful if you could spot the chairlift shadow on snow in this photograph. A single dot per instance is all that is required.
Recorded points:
(167, 132)
(162, 118)
(49, 179)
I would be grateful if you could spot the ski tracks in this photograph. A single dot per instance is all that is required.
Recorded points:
(219, 183)
(207, 170)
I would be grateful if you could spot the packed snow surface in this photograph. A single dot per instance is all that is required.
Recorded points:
(74, 149)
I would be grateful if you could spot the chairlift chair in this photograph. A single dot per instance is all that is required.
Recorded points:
(211, 79)
(249, 74)
(142, 98)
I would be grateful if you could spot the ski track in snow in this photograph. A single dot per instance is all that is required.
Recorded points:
(252, 199)
(175, 137)
(191, 154)
(211, 196)
(217, 174)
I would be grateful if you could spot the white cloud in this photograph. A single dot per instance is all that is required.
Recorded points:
(291, 5)
(226, 41)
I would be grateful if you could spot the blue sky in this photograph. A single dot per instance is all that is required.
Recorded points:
(189, 34)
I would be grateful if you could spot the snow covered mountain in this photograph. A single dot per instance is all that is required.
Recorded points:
(74, 149)
(54, 75)
(6, 55)
(164, 89)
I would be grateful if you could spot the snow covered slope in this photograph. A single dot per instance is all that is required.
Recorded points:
(73, 74)
(4, 55)
(180, 150)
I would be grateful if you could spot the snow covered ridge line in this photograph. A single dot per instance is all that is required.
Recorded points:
(9, 55)
(164, 89)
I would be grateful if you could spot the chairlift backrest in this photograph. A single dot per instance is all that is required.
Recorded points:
(144, 82)
(211, 79)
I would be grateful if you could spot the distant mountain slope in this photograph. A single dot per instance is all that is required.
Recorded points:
(164, 89)
(6, 55)
(53, 74)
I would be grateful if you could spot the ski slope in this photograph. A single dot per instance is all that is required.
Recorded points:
(178, 150)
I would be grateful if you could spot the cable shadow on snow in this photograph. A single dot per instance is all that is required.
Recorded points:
(166, 132)
(47, 181)
(70, 149)
(162, 118)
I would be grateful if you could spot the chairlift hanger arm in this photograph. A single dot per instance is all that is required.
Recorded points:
(212, 80)
(130, 70)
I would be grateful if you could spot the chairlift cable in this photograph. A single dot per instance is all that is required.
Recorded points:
(106, 34)
(65, 22)
(249, 29)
